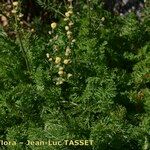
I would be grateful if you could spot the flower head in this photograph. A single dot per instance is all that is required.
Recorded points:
(66, 61)
(70, 12)
(48, 55)
(69, 32)
(32, 30)
(49, 32)
(103, 19)
(57, 60)
(70, 7)
(61, 72)
(70, 23)
(68, 51)
(21, 22)
(60, 81)
(20, 15)
(50, 59)
(15, 3)
(66, 28)
(61, 69)
(67, 14)
(66, 19)
(53, 25)
(14, 11)
(69, 75)
(73, 40)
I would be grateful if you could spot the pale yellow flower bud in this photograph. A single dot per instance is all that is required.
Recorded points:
(57, 60)
(53, 25)
(70, 7)
(57, 66)
(69, 36)
(67, 54)
(68, 51)
(61, 72)
(15, 3)
(55, 37)
(48, 55)
(70, 23)
(69, 32)
(8, 6)
(66, 28)
(32, 30)
(66, 19)
(20, 15)
(69, 75)
(50, 59)
(8, 14)
(14, 11)
(50, 40)
(73, 40)
(60, 81)
(70, 12)
(50, 32)
(21, 22)
(61, 69)
(66, 61)
(103, 19)
(18, 18)
(67, 14)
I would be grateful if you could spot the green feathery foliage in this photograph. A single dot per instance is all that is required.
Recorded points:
(107, 99)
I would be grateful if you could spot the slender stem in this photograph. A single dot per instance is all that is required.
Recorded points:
(24, 52)
(21, 45)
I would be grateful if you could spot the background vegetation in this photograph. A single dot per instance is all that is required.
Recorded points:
(107, 99)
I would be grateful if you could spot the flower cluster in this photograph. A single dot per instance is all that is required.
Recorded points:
(11, 14)
(15, 7)
(62, 61)
(8, 10)
(16, 12)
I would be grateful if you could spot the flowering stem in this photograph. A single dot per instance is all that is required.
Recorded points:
(21, 44)
(23, 52)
